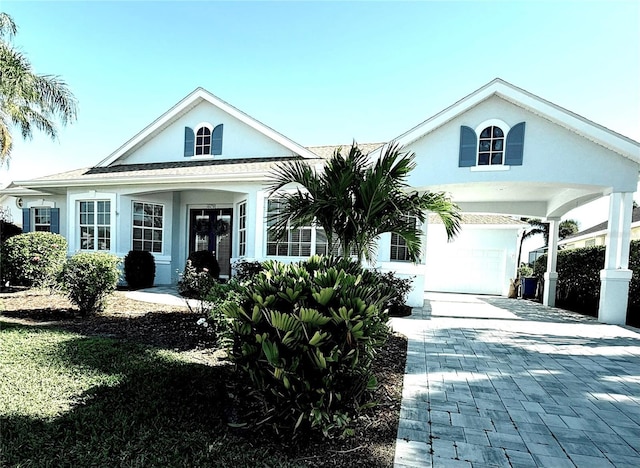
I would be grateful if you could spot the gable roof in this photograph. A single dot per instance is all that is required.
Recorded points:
(599, 228)
(189, 102)
(592, 131)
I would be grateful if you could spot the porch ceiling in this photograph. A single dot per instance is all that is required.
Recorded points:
(519, 198)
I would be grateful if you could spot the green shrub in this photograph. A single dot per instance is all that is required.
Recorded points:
(203, 260)
(578, 286)
(139, 269)
(33, 259)
(88, 279)
(306, 335)
(397, 289)
(8, 230)
(244, 270)
(195, 284)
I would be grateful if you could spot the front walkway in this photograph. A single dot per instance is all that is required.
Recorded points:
(492, 381)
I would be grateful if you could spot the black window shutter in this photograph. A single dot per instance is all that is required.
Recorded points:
(26, 220)
(468, 147)
(189, 142)
(515, 146)
(216, 140)
(55, 220)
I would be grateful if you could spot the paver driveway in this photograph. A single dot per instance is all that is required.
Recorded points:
(492, 381)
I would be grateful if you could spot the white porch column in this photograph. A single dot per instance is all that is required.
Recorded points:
(551, 276)
(616, 276)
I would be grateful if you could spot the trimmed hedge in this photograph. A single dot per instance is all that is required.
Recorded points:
(33, 259)
(578, 286)
(89, 278)
(139, 269)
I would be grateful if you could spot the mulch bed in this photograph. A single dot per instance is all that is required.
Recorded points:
(175, 328)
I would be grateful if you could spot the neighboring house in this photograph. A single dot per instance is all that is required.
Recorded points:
(597, 234)
(196, 179)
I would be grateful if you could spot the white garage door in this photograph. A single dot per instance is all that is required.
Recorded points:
(476, 271)
(474, 263)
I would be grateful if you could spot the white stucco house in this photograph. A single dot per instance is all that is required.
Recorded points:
(196, 179)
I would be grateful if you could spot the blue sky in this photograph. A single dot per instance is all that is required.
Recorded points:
(319, 72)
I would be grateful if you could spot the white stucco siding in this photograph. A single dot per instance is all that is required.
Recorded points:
(552, 154)
(481, 260)
(239, 140)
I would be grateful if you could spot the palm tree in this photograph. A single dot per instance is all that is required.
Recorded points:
(356, 200)
(28, 100)
(566, 228)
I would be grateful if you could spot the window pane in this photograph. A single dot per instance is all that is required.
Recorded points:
(486, 133)
(485, 145)
(497, 132)
(483, 159)
(496, 158)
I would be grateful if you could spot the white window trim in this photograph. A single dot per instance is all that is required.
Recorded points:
(164, 216)
(505, 130)
(265, 242)
(195, 139)
(240, 229)
(32, 215)
(73, 218)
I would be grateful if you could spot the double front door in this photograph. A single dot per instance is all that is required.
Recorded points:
(210, 229)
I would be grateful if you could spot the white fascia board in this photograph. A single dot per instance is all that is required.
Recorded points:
(597, 133)
(192, 100)
(152, 179)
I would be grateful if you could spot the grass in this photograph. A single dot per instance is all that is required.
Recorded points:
(72, 400)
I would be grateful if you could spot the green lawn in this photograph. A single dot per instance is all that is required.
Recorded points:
(72, 400)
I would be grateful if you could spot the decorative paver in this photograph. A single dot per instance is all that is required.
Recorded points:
(492, 381)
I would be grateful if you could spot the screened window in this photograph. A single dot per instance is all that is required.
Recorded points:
(148, 223)
(242, 229)
(491, 146)
(95, 225)
(399, 250)
(203, 141)
(42, 219)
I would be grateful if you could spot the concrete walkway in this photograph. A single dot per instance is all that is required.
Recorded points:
(501, 382)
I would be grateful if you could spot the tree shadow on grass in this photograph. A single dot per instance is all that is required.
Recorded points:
(157, 410)
(169, 330)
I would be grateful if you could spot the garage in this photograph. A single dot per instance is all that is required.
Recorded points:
(480, 260)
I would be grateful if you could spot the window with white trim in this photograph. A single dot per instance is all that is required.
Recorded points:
(148, 225)
(491, 146)
(300, 242)
(399, 249)
(242, 229)
(95, 225)
(203, 141)
(42, 219)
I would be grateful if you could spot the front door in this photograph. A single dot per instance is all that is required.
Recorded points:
(210, 229)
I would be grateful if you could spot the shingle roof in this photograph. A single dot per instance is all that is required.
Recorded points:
(487, 219)
(195, 168)
(325, 152)
(635, 217)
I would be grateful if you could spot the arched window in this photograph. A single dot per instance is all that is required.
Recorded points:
(491, 146)
(203, 141)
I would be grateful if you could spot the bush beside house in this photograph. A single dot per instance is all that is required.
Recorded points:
(306, 335)
(578, 286)
(33, 259)
(88, 279)
(139, 269)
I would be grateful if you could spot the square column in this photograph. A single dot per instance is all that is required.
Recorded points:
(616, 276)
(551, 276)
